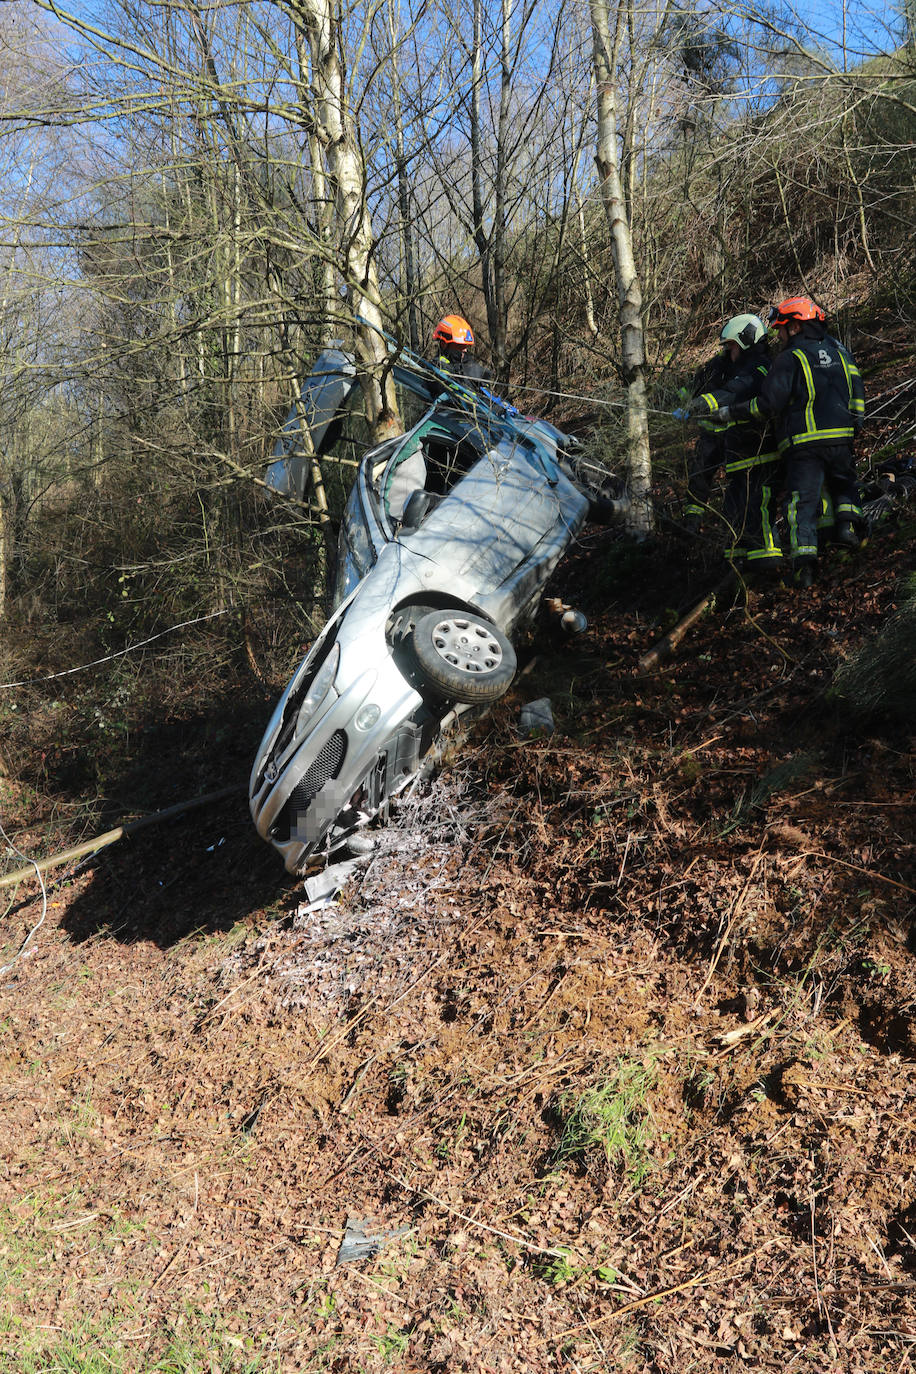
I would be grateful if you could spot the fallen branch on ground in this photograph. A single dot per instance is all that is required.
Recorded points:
(78, 851)
(667, 645)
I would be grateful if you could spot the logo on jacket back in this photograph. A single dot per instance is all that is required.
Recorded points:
(824, 358)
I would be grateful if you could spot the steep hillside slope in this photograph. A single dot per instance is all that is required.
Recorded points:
(610, 1047)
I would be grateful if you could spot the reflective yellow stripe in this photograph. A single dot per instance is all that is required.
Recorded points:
(820, 436)
(811, 433)
(758, 555)
(792, 518)
(856, 404)
(768, 546)
(848, 374)
(809, 383)
(740, 464)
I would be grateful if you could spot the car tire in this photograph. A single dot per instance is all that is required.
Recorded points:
(462, 657)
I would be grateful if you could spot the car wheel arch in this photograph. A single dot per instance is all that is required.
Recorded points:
(407, 612)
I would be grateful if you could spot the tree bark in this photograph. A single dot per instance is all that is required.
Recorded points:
(409, 273)
(336, 134)
(629, 293)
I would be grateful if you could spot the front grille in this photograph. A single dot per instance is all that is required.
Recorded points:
(325, 767)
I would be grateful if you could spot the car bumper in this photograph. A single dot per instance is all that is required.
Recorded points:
(363, 746)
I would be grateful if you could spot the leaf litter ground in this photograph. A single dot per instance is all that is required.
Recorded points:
(614, 1031)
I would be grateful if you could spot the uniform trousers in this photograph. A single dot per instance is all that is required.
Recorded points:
(808, 468)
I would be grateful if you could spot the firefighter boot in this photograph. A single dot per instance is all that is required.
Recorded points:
(845, 535)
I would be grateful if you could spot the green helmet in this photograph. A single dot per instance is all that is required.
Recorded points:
(744, 330)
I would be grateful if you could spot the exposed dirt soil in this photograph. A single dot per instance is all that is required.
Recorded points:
(611, 1045)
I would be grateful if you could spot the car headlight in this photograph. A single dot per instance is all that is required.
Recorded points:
(318, 690)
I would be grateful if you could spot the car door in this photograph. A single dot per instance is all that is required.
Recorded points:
(323, 396)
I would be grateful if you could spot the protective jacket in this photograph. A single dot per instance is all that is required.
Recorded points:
(813, 393)
(712, 375)
(463, 367)
(709, 452)
(747, 439)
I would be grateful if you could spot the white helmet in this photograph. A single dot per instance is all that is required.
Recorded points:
(744, 330)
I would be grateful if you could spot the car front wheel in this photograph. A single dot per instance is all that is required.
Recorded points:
(463, 657)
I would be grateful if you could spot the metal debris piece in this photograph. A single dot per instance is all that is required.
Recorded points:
(330, 880)
(536, 716)
(565, 618)
(362, 1240)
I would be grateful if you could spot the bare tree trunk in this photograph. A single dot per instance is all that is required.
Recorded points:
(408, 247)
(629, 293)
(324, 211)
(491, 243)
(586, 264)
(860, 200)
(4, 559)
(500, 310)
(10, 480)
(405, 216)
(232, 331)
(478, 197)
(787, 221)
(336, 134)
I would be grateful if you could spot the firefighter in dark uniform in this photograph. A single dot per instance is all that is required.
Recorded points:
(455, 343)
(813, 394)
(752, 461)
(708, 453)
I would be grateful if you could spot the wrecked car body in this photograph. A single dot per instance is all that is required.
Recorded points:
(448, 538)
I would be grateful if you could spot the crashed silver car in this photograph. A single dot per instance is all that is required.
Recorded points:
(449, 535)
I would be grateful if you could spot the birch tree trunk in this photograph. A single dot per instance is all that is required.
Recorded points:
(336, 135)
(629, 292)
(491, 243)
(324, 212)
(586, 267)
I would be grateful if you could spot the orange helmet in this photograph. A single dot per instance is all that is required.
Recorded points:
(799, 308)
(453, 329)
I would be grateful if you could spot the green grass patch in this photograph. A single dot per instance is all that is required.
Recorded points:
(194, 1344)
(613, 1118)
